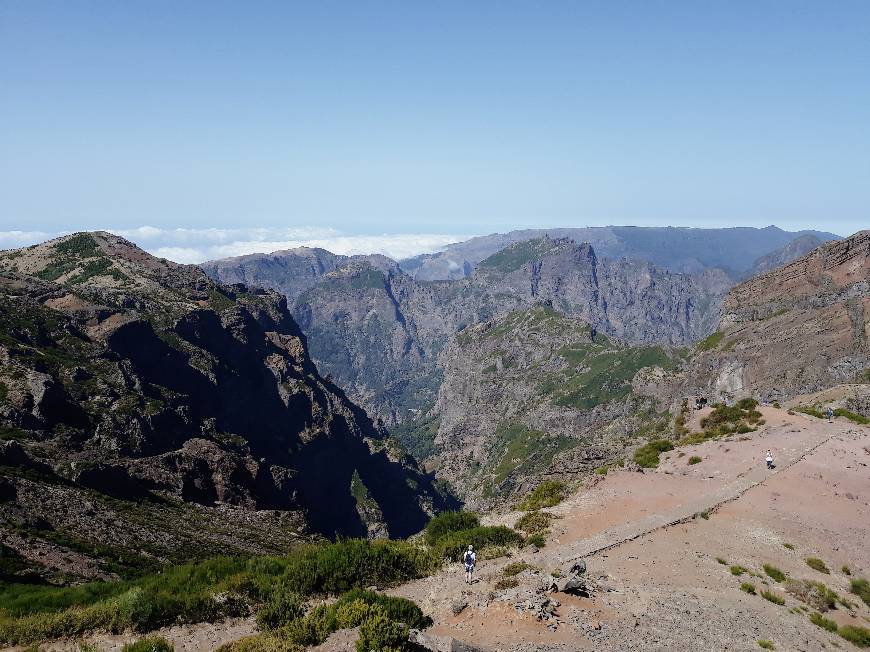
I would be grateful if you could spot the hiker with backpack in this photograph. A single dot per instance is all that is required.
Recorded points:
(769, 460)
(470, 558)
(830, 415)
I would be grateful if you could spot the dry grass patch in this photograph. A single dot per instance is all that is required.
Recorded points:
(817, 564)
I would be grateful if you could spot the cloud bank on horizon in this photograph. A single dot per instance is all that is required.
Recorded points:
(198, 245)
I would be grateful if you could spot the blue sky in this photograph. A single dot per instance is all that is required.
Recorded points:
(370, 118)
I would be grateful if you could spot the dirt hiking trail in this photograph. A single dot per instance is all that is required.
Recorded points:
(659, 547)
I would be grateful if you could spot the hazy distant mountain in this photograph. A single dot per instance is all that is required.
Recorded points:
(734, 250)
(794, 249)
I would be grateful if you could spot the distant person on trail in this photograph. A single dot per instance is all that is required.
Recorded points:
(470, 558)
(769, 460)
(830, 414)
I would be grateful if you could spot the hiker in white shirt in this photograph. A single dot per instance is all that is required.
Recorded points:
(469, 558)
(769, 460)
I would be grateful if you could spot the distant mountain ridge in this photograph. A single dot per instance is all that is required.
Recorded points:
(677, 249)
(378, 332)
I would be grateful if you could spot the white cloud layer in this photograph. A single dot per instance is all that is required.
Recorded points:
(198, 245)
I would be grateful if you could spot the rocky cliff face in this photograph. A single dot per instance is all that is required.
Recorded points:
(534, 394)
(135, 378)
(290, 272)
(795, 330)
(379, 333)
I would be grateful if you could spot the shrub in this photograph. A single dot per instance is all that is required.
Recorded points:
(452, 545)
(817, 564)
(772, 597)
(825, 623)
(380, 632)
(738, 570)
(351, 563)
(547, 494)
(506, 583)
(493, 552)
(449, 522)
(721, 561)
(857, 418)
(845, 570)
(533, 522)
(695, 459)
(774, 573)
(748, 587)
(861, 588)
(815, 594)
(764, 643)
(537, 540)
(352, 610)
(788, 545)
(859, 636)
(282, 606)
(710, 342)
(515, 569)
(149, 644)
(267, 642)
(647, 456)
(187, 593)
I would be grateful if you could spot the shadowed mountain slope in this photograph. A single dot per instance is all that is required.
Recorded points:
(131, 377)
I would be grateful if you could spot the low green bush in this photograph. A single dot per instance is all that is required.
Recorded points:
(547, 494)
(282, 606)
(695, 459)
(845, 570)
(861, 587)
(748, 587)
(338, 567)
(533, 522)
(817, 564)
(647, 456)
(774, 573)
(353, 609)
(149, 644)
(380, 632)
(265, 642)
(825, 623)
(721, 561)
(506, 583)
(766, 644)
(773, 597)
(738, 570)
(859, 636)
(813, 593)
(788, 545)
(515, 568)
(448, 522)
(453, 544)
(213, 589)
(538, 540)
(852, 416)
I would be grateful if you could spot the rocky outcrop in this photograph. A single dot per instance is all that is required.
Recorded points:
(536, 394)
(795, 330)
(127, 376)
